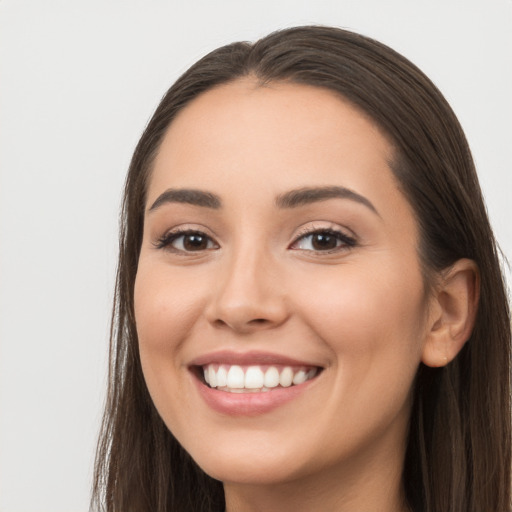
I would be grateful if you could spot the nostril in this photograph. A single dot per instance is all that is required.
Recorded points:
(259, 323)
(242, 326)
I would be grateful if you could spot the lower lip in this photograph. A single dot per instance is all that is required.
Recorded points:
(249, 404)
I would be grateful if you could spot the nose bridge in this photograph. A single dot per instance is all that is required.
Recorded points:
(249, 294)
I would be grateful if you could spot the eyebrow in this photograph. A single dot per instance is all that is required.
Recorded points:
(308, 195)
(291, 199)
(187, 196)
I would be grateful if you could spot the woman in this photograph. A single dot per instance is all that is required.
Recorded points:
(310, 313)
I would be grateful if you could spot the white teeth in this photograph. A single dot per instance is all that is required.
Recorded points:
(299, 377)
(236, 379)
(222, 377)
(271, 377)
(253, 378)
(212, 377)
(286, 377)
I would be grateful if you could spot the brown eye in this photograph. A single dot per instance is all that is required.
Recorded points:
(324, 241)
(186, 241)
(195, 242)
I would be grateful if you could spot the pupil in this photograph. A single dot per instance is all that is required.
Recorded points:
(194, 242)
(324, 241)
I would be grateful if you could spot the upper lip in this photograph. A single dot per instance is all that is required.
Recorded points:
(248, 358)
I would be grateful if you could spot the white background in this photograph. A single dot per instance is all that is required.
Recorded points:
(79, 80)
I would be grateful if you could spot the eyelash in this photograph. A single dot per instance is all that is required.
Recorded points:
(343, 241)
(166, 241)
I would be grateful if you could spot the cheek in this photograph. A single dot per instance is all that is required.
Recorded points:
(373, 328)
(166, 306)
(166, 311)
(373, 322)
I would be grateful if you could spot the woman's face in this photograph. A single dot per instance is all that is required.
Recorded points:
(280, 258)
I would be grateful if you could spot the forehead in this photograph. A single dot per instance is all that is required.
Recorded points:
(284, 134)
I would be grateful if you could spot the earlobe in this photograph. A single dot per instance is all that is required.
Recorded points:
(453, 312)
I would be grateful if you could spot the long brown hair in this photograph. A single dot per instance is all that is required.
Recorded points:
(459, 452)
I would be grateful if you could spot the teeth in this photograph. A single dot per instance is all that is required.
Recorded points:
(237, 379)
(312, 373)
(212, 377)
(222, 377)
(286, 377)
(272, 377)
(254, 378)
(299, 377)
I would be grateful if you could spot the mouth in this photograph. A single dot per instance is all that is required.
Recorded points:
(234, 378)
(251, 383)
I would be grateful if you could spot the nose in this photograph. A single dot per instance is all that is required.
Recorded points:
(248, 295)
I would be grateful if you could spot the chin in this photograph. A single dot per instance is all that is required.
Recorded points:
(249, 473)
(249, 464)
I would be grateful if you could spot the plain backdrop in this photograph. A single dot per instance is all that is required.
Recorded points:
(79, 80)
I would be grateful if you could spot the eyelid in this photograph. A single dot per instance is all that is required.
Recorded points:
(349, 240)
(165, 241)
(340, 233)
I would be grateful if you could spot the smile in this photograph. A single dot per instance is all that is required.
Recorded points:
(252, 383)
(255, 378)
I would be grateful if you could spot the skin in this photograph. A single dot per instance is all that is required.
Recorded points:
(358, 311)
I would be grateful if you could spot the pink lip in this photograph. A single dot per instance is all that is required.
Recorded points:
(248, 358)
(249, 404)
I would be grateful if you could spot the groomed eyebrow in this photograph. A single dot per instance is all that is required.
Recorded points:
(291, 199)
(308, 195)
(187, 196)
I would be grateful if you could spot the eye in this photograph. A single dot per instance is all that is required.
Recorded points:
(323, 240)
(186, 241)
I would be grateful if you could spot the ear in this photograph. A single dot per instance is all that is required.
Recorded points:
(452, 313)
